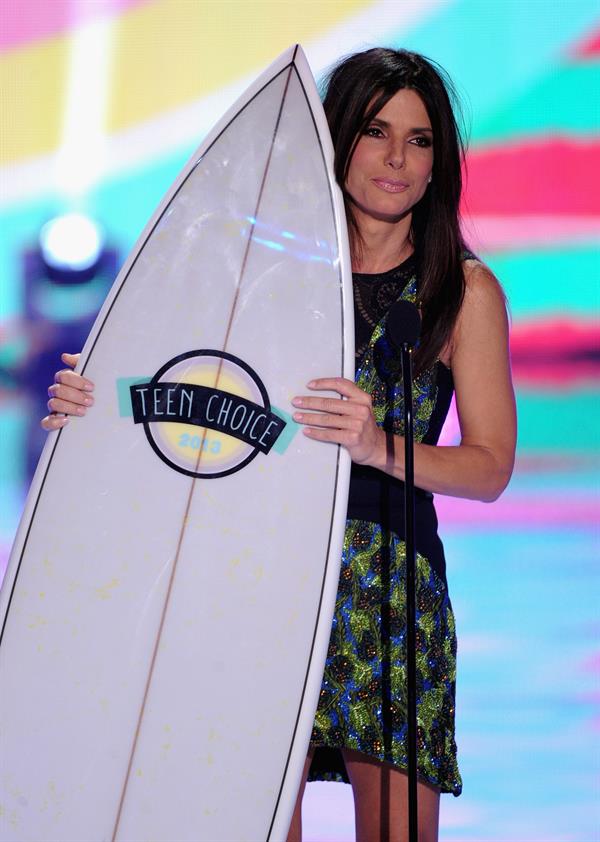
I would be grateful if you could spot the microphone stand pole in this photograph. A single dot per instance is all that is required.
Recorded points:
(409, 525)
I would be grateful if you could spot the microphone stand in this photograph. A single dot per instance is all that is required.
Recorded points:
(409, 525)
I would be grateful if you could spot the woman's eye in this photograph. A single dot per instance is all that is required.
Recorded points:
(422, 141)
(374, 131)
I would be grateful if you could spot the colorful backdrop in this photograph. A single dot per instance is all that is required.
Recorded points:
(102, 103)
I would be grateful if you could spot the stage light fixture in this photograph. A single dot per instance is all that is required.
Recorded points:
(71, 243)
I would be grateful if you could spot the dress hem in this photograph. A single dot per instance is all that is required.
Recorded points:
(339, 777)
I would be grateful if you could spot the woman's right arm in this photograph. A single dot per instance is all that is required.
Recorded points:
(70, 394)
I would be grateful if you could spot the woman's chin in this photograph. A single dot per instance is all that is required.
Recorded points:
(381, 214)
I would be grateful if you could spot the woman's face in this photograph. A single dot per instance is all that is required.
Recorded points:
(392, 161)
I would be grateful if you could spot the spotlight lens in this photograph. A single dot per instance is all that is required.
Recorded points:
(71, 241)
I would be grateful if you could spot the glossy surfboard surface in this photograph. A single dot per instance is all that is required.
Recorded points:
(167, 605)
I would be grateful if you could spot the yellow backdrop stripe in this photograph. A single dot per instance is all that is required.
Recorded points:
(32, 82)
(173, 51)
(165, 54)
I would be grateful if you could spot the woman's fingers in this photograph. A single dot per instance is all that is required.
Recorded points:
(69, 400)
(340, 422)
(358, 403)
(346, 388)
(72, 394)
(68, 378)
(336, 436)
(66, 407)
(54, 422)
(346, 415)
(70, 359)
(335, 406)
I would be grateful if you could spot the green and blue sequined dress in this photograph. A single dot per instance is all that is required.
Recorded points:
(362, 705)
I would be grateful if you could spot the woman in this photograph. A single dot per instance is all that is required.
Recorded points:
(398, 160)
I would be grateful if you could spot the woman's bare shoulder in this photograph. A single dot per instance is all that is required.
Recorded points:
(484, 305)
(480, 281)
(484, 298)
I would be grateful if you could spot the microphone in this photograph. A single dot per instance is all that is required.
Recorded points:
(403, 330)
(403, 324)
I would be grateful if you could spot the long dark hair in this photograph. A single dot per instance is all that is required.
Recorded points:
(354, 92)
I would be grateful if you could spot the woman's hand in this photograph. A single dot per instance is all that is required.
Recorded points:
(70, 394)
(350, 423)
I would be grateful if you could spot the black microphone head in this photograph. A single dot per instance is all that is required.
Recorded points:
(403, 324)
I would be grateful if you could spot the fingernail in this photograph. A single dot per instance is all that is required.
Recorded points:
(88, 401)
(297, 416)
(311, 384)
(63, 421)
(298, 402)
(80, 410)
(88, 387)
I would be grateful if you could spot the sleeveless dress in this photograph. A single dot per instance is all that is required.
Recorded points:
(362, 704)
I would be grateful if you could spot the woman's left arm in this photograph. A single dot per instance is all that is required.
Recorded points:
(480, 467)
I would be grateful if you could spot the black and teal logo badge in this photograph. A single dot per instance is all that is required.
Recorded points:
(206, 414)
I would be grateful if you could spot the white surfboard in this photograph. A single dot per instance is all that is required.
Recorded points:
(167, 606)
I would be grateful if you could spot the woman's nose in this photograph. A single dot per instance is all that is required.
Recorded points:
(395, 156)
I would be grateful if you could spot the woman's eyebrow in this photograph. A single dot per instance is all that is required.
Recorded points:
(385, 125)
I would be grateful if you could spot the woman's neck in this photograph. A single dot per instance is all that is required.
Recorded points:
(382, 245)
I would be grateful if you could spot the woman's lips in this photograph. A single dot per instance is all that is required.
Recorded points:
(390, 185)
